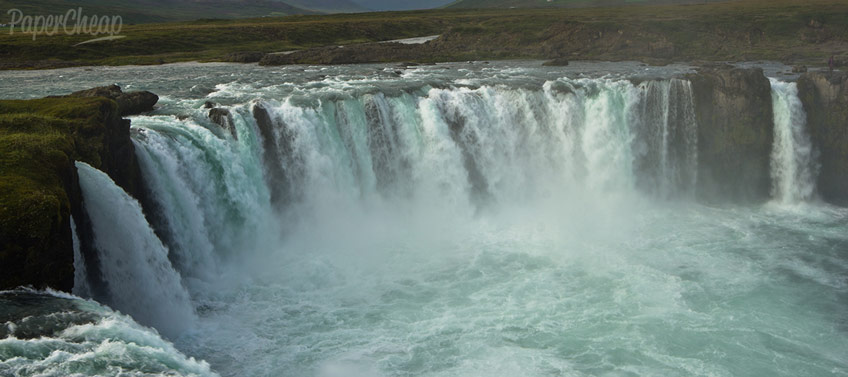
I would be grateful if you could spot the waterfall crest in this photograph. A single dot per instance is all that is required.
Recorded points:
(793, 166)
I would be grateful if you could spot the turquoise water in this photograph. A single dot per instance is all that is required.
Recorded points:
(459, 220)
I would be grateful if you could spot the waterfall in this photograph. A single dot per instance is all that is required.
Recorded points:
(458, 147)
(81, 287)
(449, 151)
(209, 190)
(670, 138)
(134, 262)
(793, 167)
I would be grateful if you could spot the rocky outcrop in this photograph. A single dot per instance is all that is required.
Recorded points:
(130, 103)
(735, 131)
(558, 62)
(40, 190)
(825, 99)
(223, 118)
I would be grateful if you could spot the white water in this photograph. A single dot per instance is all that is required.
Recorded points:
(81, 287)
(495, 221)
(793, 168)
(134, 263)
(55, 334)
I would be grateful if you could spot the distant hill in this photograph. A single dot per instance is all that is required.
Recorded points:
(330, 6)
(145, 11)
(469, 4)
(402, 4)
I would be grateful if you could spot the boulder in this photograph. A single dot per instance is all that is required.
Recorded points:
(223, 118)
(130, 103)
(558, 62)
(825, 99)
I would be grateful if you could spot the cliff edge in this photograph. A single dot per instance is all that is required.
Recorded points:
(39, 190)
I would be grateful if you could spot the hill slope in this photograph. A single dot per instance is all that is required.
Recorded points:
(402, 4)
(329, 6)
(146, 11)
(781, 30)
(472, 4)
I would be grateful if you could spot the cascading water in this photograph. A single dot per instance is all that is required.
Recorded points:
(134, 263)
(469, 147)
(461, 220)
(81, 287)
(793, 166)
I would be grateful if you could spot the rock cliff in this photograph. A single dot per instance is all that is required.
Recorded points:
(735, 131)
(39, 190)
(825, 99)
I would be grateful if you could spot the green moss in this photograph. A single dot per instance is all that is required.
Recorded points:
(39, 141)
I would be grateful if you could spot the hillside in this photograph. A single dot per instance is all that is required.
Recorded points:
(780, 30)
(148, 11)
(393, 5)
(479, 4)
(329, 6)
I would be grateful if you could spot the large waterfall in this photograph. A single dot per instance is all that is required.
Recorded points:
(460, 220)
(455, 150)
(469, 148)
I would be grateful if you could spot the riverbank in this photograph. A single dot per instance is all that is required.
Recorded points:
(795, 34)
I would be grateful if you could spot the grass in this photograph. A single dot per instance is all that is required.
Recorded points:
(735, 30)
(39, 142)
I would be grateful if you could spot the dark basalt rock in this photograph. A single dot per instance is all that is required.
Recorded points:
(558, 62)
(223, 118)
(733, 109)
(36, 245)
(130, 103)
(825, 99)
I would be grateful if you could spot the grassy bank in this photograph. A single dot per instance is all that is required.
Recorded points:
(39, 141)
(783, 30)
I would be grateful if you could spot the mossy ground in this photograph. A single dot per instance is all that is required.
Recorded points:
(39, 141)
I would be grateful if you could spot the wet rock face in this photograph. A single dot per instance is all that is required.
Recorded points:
(825, 99)
(223, 118)
(735, 130)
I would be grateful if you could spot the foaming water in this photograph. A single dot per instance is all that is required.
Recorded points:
(55, 334)
(465, 220)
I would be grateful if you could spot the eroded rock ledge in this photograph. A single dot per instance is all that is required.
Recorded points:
(825, 99)
(735, 133)
(39, 188)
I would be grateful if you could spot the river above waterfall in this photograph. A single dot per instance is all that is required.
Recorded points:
(473, 219)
